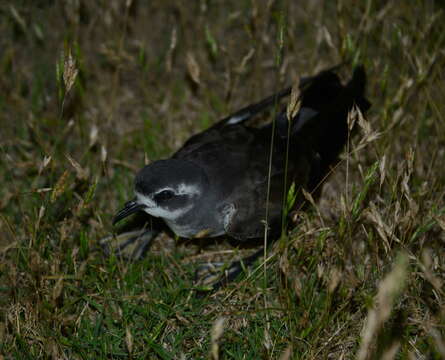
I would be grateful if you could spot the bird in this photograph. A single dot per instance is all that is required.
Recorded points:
(233, 178)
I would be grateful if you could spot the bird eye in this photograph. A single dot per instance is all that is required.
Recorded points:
(163, 195)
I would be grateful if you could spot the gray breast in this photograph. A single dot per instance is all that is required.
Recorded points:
(203, 220)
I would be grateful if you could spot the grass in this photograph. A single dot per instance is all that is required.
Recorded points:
(361, 273)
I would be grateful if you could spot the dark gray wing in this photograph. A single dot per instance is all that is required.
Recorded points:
(252, 210)
(237, 118)
(236, 161)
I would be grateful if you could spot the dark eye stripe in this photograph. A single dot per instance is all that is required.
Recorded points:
(164, 195)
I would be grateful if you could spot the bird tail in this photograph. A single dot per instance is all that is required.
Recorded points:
(322, 122)
(329, 103)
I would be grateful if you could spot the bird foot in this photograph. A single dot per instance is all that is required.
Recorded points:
(214, 275)
(132, 245)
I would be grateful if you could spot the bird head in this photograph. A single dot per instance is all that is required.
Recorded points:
(166, 189)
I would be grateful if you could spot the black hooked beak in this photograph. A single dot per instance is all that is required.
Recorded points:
(130, 207)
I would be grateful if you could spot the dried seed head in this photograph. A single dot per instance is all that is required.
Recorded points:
(70, 72)
(44, 164)
(294, 104)
(103, 153)
(81, 173)
(352, 118)
(193, 68)
(94, 132)
(334, 279)
(382, 168)
(60, 186)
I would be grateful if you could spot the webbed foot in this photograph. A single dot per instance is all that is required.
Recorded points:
(214, 275)
(131, 245)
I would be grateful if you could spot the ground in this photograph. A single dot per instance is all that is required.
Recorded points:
(90, 91)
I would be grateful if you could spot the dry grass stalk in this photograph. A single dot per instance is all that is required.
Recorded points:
(171, 50)
(129, 340)
(216, 334)
(389, 288)
(286, 353)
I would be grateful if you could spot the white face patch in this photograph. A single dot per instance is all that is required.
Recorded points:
(154, 210)
(170, 215)
(187, 189)
(142, 199)
(182, 189)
